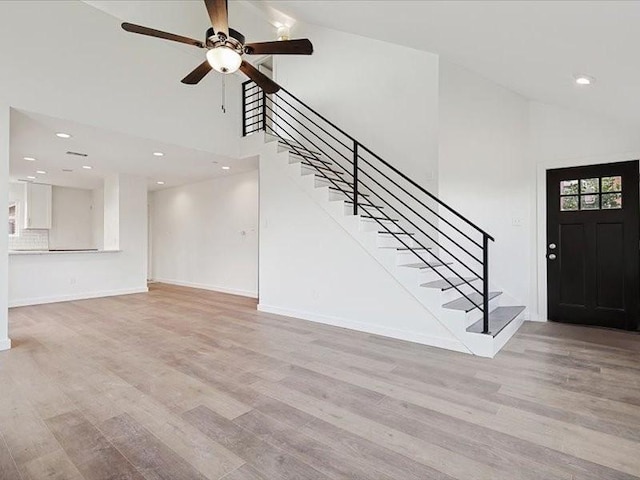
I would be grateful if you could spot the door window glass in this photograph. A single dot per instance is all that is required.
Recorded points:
(569, 187)
(611, 184)
(611, 201)
(589, 202)
(569, 203)
(591, 194)
(589, 185)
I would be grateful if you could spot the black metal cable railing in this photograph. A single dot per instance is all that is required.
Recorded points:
(434, 234)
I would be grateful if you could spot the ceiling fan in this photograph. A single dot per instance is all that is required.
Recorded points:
(225, 47)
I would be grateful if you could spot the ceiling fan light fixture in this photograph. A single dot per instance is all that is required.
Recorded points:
(283, 33)
(224, 59)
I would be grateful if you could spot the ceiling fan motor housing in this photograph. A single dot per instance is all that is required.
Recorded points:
(235, 40)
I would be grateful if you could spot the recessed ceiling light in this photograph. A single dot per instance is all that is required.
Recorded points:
(584, 80)
(63, 135)
(30, 159)
(226, 168)
(160, 183)
(31, 177)
(158, 154)
(41, 172)
(87, 167)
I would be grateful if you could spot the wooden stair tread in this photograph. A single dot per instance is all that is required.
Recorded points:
(382, 219)
(466, 304)
(338, 180)
(498, 319)
(308, 157)
(395, 233)
(423, 265)
(446, 285)
(320, 167)
(348, 192)
(364, 205)
(296, 146)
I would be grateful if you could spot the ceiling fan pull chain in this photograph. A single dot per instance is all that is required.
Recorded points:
(224, 96)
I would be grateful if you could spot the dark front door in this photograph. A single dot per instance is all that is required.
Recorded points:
(592, 245)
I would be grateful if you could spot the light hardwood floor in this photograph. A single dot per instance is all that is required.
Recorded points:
(188, 384)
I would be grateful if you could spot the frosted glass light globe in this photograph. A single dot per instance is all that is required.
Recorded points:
(224, 59)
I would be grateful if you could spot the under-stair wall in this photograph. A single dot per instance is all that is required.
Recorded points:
(312, 268)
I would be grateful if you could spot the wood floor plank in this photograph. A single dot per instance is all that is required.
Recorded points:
(53, 466)
(146, 452)
(269, 460)
(185, 383)
(308, 449)
(93, 455)
(8, 467)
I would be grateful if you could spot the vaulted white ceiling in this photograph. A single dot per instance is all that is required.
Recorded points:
(531, 47)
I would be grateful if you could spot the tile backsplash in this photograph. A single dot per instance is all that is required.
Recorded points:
(30, 240)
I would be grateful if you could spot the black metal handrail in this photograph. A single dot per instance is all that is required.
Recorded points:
(367, 180)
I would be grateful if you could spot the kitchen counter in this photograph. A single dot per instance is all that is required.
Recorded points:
(56, 252)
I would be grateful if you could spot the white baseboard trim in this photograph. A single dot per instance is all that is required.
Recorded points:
(5, 344)
(213, 288)
(24, 302)
(446, 343)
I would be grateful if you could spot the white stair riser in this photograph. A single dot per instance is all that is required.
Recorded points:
(452, 293)
(460, 320)
(405, 257)
(474, 315)
(390, 241)
(370, 225)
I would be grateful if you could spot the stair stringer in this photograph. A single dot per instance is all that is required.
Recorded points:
(278, 163)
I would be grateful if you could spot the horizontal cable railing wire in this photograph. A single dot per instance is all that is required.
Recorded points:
(377, 188)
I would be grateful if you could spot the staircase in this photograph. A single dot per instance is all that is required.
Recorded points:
(437, 255)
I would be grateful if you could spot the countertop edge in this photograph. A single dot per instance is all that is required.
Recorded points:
(65, 252)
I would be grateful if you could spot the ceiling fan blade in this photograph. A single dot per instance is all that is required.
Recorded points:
(197, 74)
(264, 82)
(219, 16)
(284, 47)
(130, 27)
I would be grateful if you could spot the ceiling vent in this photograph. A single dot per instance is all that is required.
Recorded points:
(67, 170)
(77, 154)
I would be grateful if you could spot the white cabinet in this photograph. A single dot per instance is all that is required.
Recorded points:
(37, 212)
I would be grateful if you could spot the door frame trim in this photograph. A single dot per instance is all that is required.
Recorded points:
(539, 263)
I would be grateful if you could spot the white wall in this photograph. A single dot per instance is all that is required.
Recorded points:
(5, 343)
(206, 234)
(55, 277)
(97, 201)
(384, 95)
(111, 212)
(559, 136)
(311, 268)
(485, 171)
(71, 219)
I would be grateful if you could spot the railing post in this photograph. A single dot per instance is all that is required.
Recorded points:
(355, 177)
(244, 109)
(264, 111)
(485, 283)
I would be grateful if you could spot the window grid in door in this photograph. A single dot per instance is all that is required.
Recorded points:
(597, 193)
